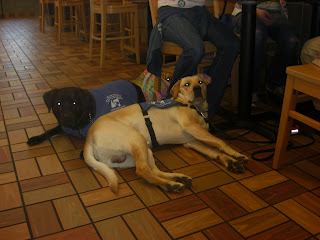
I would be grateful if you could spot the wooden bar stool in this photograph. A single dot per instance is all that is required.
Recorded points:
(126, 11)
(304, 79)
(42, 15)
(74, 19)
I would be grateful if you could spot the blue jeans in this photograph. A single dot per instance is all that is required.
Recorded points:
(281, 32)
(189, 29)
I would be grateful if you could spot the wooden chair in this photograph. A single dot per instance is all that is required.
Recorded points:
(300, 79)
(74, 19)
(170, 48)
(42, 15)
(128, 12)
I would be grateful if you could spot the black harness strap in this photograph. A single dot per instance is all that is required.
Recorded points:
(149, 126)
(149, 123)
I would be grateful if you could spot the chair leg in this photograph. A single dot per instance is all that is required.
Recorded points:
(92, 26)
(122, 25)
(41, 18)
(56, 9)
(289, 103)
(76, 19)
(84, 25)
(60, 23)
(103, 41)
(136, 34)
(72, 18)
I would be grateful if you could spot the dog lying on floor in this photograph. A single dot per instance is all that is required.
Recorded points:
(76, 109)
(121, 139)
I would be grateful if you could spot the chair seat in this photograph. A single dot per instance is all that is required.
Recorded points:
(172, 48)
(70, 3)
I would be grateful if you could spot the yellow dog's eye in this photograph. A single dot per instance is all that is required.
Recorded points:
(59, 103)
(187, 84)
(200, 82)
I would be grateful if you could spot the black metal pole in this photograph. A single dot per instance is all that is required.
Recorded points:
(2, 14)
(315, 20)
(248, 29)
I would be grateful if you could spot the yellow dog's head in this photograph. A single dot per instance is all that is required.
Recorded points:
(191, 89)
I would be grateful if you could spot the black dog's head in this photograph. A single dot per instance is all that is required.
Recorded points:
(71, 106)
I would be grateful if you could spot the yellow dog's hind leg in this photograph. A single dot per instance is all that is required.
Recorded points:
(177, 177)
(139, 151)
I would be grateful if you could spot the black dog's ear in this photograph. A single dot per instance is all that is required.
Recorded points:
(48, 98)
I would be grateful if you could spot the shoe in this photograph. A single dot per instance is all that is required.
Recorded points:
(254, 100)
(277, 92)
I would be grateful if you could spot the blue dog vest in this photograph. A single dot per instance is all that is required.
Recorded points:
(109, 97)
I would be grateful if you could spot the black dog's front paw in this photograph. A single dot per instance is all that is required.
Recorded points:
(45, 136)
(34, 140)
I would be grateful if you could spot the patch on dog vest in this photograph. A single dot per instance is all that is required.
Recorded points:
(109, 97)
(159, 104)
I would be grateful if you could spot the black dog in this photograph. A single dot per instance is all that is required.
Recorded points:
(76, 109)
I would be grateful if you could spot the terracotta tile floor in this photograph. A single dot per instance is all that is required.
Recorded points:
(47, 192)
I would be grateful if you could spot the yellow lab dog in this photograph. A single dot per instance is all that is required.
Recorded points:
(123, 139)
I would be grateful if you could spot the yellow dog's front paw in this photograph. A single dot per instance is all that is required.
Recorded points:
(243, 160)
(187, 181)
(175, 188)
(235, 166)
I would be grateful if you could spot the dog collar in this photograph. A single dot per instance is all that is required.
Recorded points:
(90, 118)
(198, 111)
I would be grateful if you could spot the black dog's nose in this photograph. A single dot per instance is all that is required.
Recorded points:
(197, 91)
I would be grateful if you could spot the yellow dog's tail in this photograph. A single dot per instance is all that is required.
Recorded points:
(102, 168)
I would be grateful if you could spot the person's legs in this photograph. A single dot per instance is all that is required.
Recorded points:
(283, 33)
(259, 54)
(182, 32)
(228, 45)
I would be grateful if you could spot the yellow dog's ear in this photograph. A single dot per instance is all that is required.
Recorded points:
(175, 90)
(205, 78)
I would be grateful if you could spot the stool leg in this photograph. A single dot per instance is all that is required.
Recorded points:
(71, 18)
(92, 26)
(56, 9)
(60, 13)
(83, 18)
(289, 103)
(136, 34)
(103, 41)
(41, 16)
(122, 18)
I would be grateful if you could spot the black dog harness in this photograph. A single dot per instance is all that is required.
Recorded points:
(162, 105)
